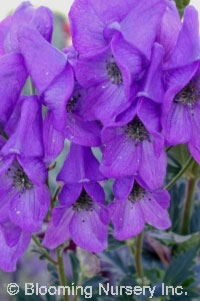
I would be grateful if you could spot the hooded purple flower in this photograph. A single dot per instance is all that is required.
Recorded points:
(22, 171)
(94, 22)
(77, 130)
(136, 205)
(181, 106)
(134, 145)
(81, 216)
(50, 71)
(41, 19)
(115, 52)
(109, 83)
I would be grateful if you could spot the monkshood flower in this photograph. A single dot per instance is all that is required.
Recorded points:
(13, 240)
(13, 75)
(181, 105)
(134, 145)
(81, 216)
(109, 83)
(93, 23)
(135, 205)
(41, 19)
(77, 130)
(80, 166)
(22, 171)
(50, 71)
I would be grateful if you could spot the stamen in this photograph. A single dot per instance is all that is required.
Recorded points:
(21, 181)
(137, 193)
(114, 73)
(72, 102)
(136, 130)
(188, 95)
(84, 202)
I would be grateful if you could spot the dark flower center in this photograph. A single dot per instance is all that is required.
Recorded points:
(188, 95)
(21, 181)
(137, 193)
(114, 73)
(136, 130)
(84, 202)
(72, 102)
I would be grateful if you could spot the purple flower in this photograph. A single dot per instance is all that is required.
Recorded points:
(94, 23)
(136, 205)
(109, 83)
(13, 75)
(81, 216)
(50, 71)
(134, 145)
(41, 19)
(80, 166)
(181, 105)
(22, 171)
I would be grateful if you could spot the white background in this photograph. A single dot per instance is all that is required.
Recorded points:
(58, 5)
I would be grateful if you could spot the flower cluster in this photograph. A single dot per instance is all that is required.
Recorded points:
(129, 85)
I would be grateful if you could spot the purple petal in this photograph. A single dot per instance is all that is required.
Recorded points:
(29, 208)
(40, 19)
(154, 214)
(153, 81)
(27, 139)
(78, 131)
(177, 125)
(53, 139)
(188, 40)
(127, 219)
(58, 229)
(4, 28)
(80, 166)
(88, 231)
(9, 256)
(149, 113)
(57, 95)
(143, 21)
(122, 187)
(86, 28)
(171, 23)
(38, 52)
(152, 168)
(11, 233)
(95, 191)
(12, 77)
(121, 157)
(69, 194)
(34, 168)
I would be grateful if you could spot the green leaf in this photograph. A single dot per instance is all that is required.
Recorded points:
(180, 268)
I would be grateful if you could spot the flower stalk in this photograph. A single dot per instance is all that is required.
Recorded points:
(189, 200)
(180, 173)
(61, 272)
(138, 255)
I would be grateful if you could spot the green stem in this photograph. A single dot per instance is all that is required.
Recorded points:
(43, 251)
(61, 272)
(138, 255)
(189, 200)
(179, 175)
